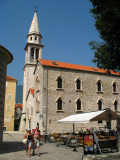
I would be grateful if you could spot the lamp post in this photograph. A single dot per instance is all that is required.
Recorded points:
(109, 117)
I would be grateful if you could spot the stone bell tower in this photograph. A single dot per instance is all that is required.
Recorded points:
(33, 50)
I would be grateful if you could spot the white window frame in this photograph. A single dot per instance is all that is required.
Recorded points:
(78, 90)
(7, 107)
(9, 99)
(6, 84)
(7, 119)
(101, 86)
(76, 104)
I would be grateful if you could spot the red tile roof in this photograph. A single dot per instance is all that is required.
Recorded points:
(18, 105)
(32, 91)
(73, 66)
(10, 78)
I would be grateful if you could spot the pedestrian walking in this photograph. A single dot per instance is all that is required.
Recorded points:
(29, 143)
(37, 136)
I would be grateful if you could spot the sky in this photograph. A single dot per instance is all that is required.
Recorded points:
(67, 26)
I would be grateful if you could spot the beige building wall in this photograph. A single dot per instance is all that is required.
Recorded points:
(9, 107)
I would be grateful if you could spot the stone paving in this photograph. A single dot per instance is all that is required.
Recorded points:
(12, 148)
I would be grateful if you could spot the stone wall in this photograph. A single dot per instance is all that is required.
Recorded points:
(88, 96)
(27, 84)
(5, 58)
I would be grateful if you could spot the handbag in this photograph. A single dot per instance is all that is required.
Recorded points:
(24, 141)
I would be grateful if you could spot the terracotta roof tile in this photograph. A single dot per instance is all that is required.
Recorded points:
(74, 66)
(10, 78)
(18, 105)
(32, 91)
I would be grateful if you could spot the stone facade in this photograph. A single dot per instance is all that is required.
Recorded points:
(88, 95)
(5, 58)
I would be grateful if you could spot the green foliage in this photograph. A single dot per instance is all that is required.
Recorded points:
(107, 19)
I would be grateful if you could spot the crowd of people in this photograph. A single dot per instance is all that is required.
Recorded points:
(32, 141)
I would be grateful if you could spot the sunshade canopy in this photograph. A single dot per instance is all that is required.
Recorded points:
(91, 116)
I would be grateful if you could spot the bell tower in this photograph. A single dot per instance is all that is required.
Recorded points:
(33, 47)
(33, 50)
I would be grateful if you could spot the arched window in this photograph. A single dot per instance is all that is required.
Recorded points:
(32, 54)
(78, 84)
(99, 86)
(115, 105)
(78, 105)
(37, 53)
(99, 105)
(59, 82)
(114, 87)
(59, 104)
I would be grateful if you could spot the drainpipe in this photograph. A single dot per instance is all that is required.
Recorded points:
(46, 100)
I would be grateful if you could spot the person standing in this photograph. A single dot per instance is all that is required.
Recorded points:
(29, 143)
(37, 136)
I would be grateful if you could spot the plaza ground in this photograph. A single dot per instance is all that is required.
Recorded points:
(12, 148)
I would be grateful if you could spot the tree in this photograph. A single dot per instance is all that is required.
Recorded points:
(107, 22)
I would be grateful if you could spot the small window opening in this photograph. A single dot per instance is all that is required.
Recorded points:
(78, 105)
(59, 104)
(59, 80)
(78, 84)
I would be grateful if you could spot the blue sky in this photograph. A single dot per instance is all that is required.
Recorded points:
(66, 26)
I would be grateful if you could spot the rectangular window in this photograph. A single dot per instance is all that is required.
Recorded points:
(6, 84)
(8, 107)
(7, 119)
(9, 97)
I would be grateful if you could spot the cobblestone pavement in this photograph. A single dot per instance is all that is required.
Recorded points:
(12, 148)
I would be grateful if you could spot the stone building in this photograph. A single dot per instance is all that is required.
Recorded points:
(62, 89)
(9, 108)
(5, 58)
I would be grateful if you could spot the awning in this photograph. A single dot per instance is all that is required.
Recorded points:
(106, 115)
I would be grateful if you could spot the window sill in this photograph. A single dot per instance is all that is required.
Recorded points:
(59, 89)
(115, 93)
(79, 90)
(78, 111)
(100, 92)
(60, 111)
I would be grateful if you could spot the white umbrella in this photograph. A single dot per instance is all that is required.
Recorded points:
(90, 116)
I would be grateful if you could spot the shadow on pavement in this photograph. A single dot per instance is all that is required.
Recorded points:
(7, 147)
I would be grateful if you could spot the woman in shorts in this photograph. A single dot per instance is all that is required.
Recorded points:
(29, 143)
